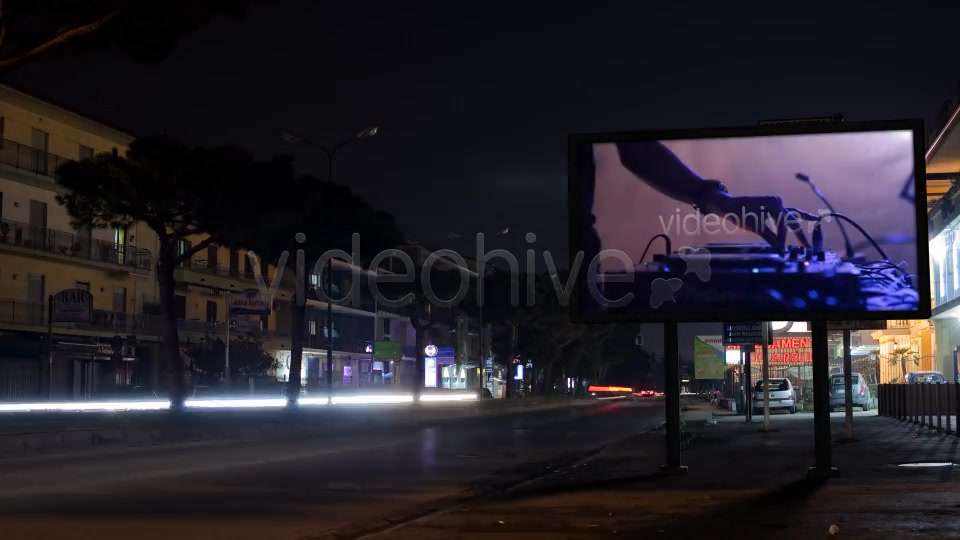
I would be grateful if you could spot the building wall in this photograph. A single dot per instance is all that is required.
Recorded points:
(67, 131)
(15, 269)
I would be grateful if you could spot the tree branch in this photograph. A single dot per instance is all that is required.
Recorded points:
(3, 24)
(183, 257)
(57, 40)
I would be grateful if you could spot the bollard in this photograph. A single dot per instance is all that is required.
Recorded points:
(948, 409)
(923, 405)
(939, 415)
(956, 404)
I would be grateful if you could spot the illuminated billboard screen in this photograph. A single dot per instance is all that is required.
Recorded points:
(775, 222)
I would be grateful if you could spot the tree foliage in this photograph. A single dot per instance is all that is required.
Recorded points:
(247, 359)
(179, 191)
(143, 30)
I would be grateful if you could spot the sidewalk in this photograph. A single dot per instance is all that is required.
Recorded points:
(40, 433)
(742, 483)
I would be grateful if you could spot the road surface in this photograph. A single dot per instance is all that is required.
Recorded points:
(295, 489)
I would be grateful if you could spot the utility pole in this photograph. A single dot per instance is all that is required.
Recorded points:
(226, 356)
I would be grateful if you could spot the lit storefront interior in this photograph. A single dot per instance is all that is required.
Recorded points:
(943, 174)
(790, 356)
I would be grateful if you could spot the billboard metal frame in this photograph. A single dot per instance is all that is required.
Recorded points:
(575, 219)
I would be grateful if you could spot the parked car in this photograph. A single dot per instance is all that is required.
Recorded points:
(926, 377)
(859, 387)
(782, 396)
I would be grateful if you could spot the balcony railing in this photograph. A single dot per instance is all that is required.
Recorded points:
(13, 233)
(30, 159)
(202, 265)
(35, 314)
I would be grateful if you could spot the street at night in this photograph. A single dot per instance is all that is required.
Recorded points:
(290, 490)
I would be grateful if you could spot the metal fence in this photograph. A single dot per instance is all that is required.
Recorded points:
(69, 244)
(932, 405)
(35, 314)
(28, 158)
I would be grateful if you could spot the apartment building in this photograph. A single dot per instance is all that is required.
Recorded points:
(41, 253)
(456, 358)
(943, 187)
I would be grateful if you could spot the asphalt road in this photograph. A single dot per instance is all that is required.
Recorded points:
(293, 489)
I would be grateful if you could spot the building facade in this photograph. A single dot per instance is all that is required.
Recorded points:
(41, 253)
(943, 174)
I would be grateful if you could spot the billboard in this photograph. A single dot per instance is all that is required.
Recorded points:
(775, 222)
(709, 358)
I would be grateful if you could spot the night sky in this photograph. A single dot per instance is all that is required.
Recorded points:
(475, 104)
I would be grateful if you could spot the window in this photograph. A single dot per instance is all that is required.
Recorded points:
(3, 130)
(85, 152)
(40, 141)
(386, 327)
(120, 299)
(1, 200)
(180, 306)
(38, 222)
(837, 380)
(777, 385)
(82, 285)
(36, 296)
(183, 247)
(313, 328)
(234, 262)
(120, 242)
(248, 268)
(314, 280)
(211, 311)
(212, 256)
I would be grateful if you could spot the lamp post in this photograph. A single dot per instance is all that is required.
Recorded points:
(328, 330)
(481, 280)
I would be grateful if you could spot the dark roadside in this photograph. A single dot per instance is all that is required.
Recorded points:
(742, 483)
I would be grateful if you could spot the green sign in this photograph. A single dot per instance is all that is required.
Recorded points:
(387, 350)
(709, 362)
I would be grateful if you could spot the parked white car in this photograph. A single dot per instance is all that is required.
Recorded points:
(782, 396)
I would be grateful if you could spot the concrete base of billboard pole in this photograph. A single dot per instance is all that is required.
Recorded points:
(671, 390)
(823, 453)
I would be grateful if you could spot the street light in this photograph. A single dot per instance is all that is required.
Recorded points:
(330, 152)
(481, 278)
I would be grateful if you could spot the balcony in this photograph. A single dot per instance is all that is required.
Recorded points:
(203, 266)
(30, 159)
(17, 313)
(24, 237)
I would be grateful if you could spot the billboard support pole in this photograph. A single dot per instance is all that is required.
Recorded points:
(823, 467)
(766, 377)
(671, 359)
(748, 384)
(848, 384)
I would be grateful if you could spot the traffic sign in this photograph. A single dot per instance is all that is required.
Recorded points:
(71, 305)
(744, 333)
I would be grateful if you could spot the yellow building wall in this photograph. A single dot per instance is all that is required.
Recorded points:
(197, 301)
(14, 270)
(66, 130)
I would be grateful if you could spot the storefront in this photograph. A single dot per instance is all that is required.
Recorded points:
(350, 369)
